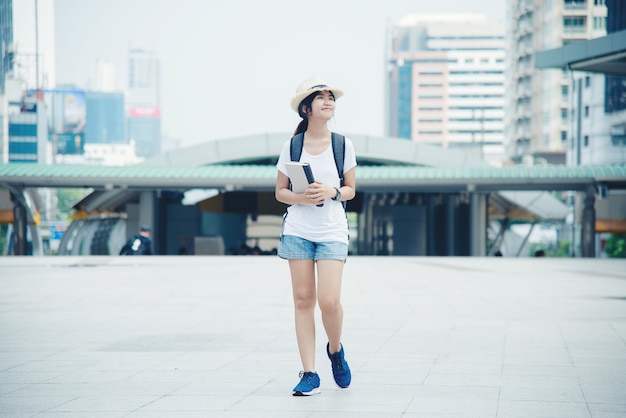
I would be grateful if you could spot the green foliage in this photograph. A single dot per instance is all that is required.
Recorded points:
(66, 198)
(616, 246)
(561, 249)
(4, 241)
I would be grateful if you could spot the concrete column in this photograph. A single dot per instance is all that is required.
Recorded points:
(450, 223)
(588, 224)
(20, 221)
(478, 224)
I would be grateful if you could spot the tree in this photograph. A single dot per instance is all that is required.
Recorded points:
(66, 198)
(616, 246)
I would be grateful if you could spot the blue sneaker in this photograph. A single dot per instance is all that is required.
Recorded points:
(309, 384)
(341, 370)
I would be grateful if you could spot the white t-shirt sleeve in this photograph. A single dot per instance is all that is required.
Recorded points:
(284, 157)
(349, 158)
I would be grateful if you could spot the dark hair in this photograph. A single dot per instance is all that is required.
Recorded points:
(304, 123)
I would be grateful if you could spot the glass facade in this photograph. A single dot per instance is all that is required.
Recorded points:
(615, 86)
(6, 39)
(405, 84)
(105, 118)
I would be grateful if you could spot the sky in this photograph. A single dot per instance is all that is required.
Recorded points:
(230, 67)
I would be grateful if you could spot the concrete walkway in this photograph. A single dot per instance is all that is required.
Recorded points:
(213, 337)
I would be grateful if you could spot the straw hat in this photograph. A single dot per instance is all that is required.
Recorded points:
(310, 86)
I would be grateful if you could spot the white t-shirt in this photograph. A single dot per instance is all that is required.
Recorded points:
(319, 224)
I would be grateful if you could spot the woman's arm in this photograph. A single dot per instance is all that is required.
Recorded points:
(284, 194)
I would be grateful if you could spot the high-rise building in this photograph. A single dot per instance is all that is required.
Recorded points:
(143, 102)
(446, 82)
(6, 40)
(537, 100)
(104, 77)
(6, 65)
(105, 118)
(28, 133)
(33, 36)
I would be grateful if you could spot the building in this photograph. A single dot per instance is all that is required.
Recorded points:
(143, 102)
(446, 82)
(104, 77)
(597, 114)
(537, 101)
(33, 36)
(6, 65)
(67, 120)
(105, 118)
(28, 133)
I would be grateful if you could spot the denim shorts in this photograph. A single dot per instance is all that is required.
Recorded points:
(296, 248)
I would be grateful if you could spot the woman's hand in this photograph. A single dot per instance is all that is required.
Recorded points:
(318, 192)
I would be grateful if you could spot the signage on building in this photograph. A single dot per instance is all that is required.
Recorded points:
(67, 117)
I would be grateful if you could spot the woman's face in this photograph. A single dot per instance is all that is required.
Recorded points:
(323, 105)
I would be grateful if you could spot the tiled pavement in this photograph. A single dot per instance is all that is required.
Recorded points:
(213, 337)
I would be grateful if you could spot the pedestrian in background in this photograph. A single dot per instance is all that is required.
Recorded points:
(315, 232)
(138, 244)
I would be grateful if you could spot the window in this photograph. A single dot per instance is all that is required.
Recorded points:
(586, 140)
(563, 114)
(574, 24)
(586, 111)
(563, 135)
(599, 23)
(587, 81)
(619, 140)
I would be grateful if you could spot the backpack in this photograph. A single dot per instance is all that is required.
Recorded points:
(339, 150)
(136, 245)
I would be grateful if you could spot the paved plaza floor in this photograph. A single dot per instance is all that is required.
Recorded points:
(214, 337)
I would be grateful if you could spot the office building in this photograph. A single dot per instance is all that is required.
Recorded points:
(105, 118)
(445, 82)
(538, 100)
(33, 36)
(28, 133)
(143, 102)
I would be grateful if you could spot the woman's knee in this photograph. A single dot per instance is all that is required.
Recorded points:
(304, 302)
(329, 305)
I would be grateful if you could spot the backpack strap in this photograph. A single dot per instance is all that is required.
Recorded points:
(339, 150)
(295, 147)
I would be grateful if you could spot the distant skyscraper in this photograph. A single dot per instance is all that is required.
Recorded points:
(104, 77)
(6, 65)
(33, 36)
(143, 102)
(446, 82)
(105, 118)
(537, 100)
(6, 40)
(28, 133)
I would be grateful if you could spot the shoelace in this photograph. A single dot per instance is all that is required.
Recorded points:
(307, 376)
(337, 362)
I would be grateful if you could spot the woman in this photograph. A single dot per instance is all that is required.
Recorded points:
(315, 232)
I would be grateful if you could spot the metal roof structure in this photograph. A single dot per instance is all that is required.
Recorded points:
(605, 55)
(262, 177)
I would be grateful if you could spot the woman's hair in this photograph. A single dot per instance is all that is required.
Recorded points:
(304, 123)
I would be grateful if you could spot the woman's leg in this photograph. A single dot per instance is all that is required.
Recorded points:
(304, 298)
(329, 275)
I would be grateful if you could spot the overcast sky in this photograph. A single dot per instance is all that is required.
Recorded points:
(230, 67)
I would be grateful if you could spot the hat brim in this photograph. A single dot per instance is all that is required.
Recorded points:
(298, 98)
